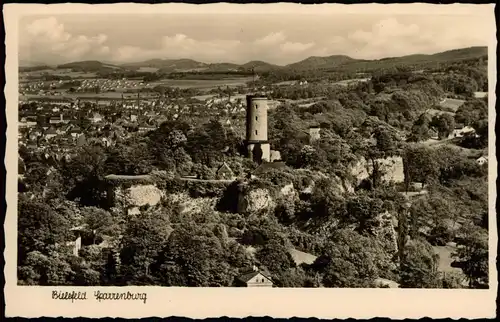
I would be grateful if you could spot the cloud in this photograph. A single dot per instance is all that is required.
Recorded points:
(48, 41)
(390, 37)
(177, 46)
(277, 48)
(295, 47)
(274, 38)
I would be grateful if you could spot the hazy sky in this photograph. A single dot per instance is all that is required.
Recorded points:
(239, 38)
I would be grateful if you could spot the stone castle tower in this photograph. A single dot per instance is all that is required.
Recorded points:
(256, 132)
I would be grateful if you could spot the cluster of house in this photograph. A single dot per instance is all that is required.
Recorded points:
(60, 128)
(57, 126)
(86, 85)
(459, 131)
(37, 87)
(109, 84)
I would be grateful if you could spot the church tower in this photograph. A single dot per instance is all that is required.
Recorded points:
(256, 132)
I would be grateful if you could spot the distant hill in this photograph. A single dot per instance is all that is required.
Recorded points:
(34, 68)
(464, 53)
(222, 67)
(417, 60)
(88, 65)
(29, 64)
(315, 62)
(167, 65)
(328, 63)
(259, 66)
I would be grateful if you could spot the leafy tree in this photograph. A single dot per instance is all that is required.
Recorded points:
(420, 165)
(285, 133)
(386, 145)
(176, 160)
(471, 112)
(39, 228)
(85, 274)
(45, 269)
(326, 202)
(295, 277)
(452, 280)
(363, 211)
(143, 241)
(36, 175)
(201, 171)
(420, 129)
(98, 221)
(472, 255)
(83, 176)
(406, 229)
(194, 257)
(456, 167)
(351, 260)
(307, 156)
(206, 144)
(445, 124)
(418, 267)
(237, 256)
(481, 127)
(275, 257)
(131, 158)
(330, 154)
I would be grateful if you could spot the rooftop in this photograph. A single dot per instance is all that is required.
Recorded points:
(248, 276)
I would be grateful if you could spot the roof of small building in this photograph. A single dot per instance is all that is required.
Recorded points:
(224, 167)
(383, 282)
(79, 228)
(76, 129)
(248, 276)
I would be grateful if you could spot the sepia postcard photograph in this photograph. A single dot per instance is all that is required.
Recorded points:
(250, 160)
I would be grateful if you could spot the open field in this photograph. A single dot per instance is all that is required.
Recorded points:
(453, 142)
(304, 101)
(345, 82)
(203, 83)
(204, 97)
(57, 72)
(353, 81)
(433, 112)
(286, 83)
(445, 258)
(451, 103)
(480, 94)
(148, 69)
(301, 257)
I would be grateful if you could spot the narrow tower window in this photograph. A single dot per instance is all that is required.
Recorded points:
(256, 106)
(255, 132)
(256, 118)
